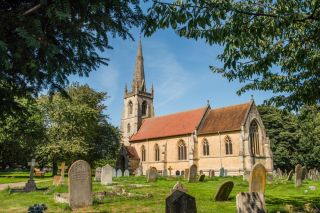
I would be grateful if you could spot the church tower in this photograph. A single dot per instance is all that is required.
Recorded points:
(138, 103)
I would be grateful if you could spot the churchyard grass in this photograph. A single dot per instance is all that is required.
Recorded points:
(14, 177)
(278, 194)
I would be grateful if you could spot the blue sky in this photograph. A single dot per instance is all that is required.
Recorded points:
(178, 69)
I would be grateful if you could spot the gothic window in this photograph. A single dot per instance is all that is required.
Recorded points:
(205, 147)
(144, 108)
(182, 150)
(228, 143)
(130, 107)
(254, 138)
(143, 153)
(156, 152)
(128, 128)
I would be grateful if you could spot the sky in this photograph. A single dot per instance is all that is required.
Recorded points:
(177, 67)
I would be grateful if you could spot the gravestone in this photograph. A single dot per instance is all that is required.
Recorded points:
(152, 174)
(304, 173)
(298, 171)
(186, 174)
(224, 191)
(211, 173)
(106, 175)
(126, 173)
(62, 168)
(200, 172)
(31, 185)
(178, 186)
(165, 173)
(258, 175)
(80, 185)
(177, 173)
(221, 172)
(250, 202)
(56, 180)
(114, 172)
(201, 178)
(119, 173)
(290, 175)
(180, 202)
(182, 173)
(170, 169)
(192, 173)
(97, 176)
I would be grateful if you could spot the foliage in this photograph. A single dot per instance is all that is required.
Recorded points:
(44, 42)
(20, 133)
(76, 127)
(295, 138)
(269, 45)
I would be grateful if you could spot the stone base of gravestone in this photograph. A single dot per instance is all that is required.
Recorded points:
(250, 202)
(30, 186)
(179, 201)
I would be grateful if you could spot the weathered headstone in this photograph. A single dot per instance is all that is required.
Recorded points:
(180, 202)
(97, 176)
(250, 202)
(304, 173)
(119, 173)
(62, 168)
(246, 175)
(290, 175)
(178, 186)
(182, 173)
(224, 191)
(298, 171)
(221, 172)
(106, 175)
(114, 172)
(152, 174)
(80, 185)
(211, 173)
(186, 174)
(170, 169)
(56, 180)
(257, 182)
(165, 173)
(201, 178)
(126, 173)
(31, 185)
(193, 173)
(200, 172)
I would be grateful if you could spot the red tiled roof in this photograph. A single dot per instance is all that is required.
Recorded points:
(224, 119)
(169, 125)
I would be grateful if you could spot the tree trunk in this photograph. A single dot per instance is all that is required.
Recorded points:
(54, 168)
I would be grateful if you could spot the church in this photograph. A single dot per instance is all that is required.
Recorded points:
(229, 139)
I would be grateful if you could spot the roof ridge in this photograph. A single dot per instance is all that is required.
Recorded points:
(204, 107)
(231, 106)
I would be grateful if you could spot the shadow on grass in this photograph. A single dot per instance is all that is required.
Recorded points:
(297, 202)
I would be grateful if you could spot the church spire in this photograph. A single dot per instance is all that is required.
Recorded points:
(138, 83)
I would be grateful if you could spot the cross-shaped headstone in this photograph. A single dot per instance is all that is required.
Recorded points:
(170, 169)
(62, 168)
(32, 164)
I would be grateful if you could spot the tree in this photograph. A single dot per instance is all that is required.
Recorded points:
(269, 45)
(283, 130)
(41, 44)
(76, 127)
(20, 134)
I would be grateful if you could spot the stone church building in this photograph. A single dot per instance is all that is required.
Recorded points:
(231, 137)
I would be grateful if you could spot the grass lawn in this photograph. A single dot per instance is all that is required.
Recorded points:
(13, 177)
(278, 194)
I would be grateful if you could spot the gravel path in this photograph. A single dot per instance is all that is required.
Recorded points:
(17, 185)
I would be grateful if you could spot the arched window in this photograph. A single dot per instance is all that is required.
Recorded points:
(130, 107)
(254, 138)
(182, 150)
(156, 152)
(143, 153)
(128, 128)
(228, 143)
(205, 147)
(144, 108)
